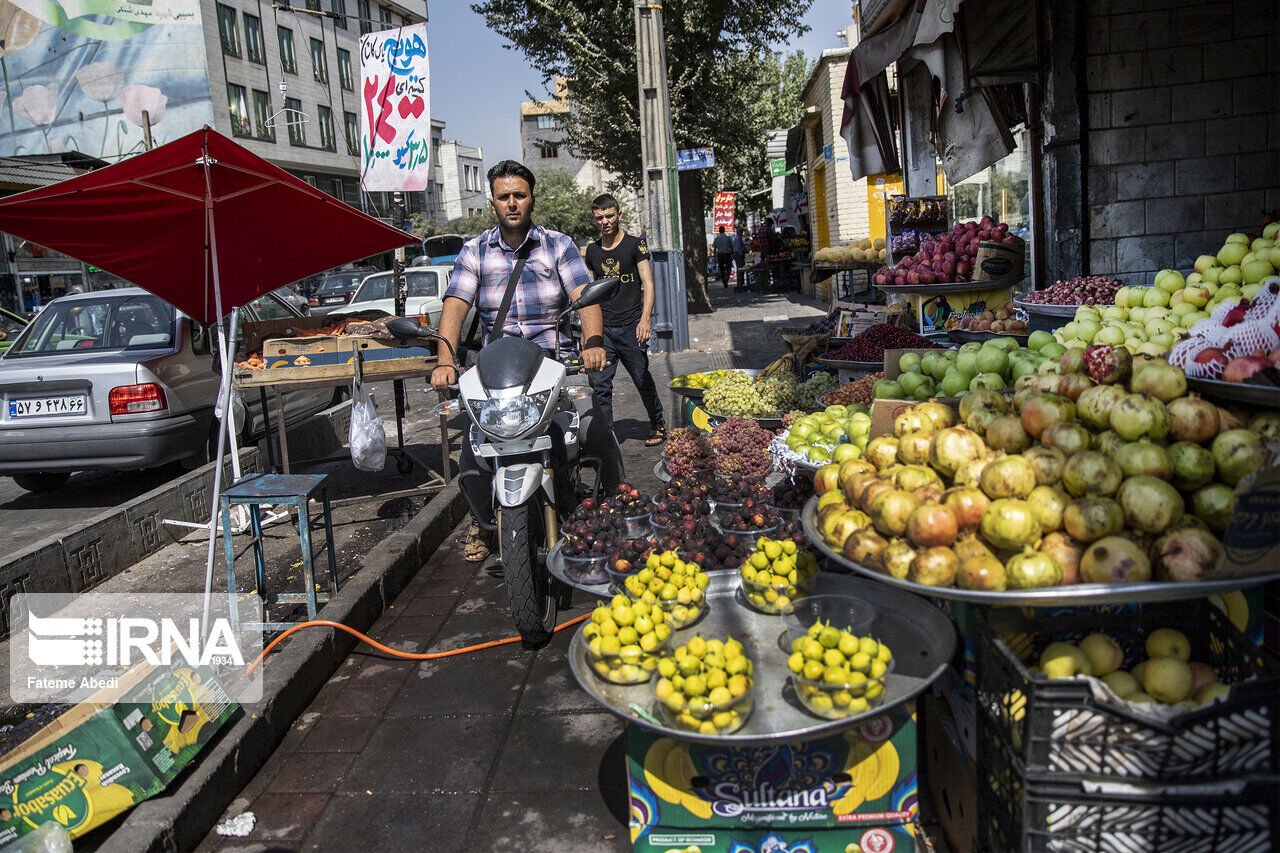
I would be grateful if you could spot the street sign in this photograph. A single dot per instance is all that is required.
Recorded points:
(778, 168)
(395, 123)
(723, 210)
(828, 152)
(695, 158)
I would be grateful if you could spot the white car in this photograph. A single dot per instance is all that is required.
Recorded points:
(426, 286)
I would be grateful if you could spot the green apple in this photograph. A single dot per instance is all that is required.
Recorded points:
(1114, 312)
(1138, 334)
(1212, 274)
(1155, 297)
(1182, 309)
(836, 411)
(1260, 243)
(1087, 330)
(1037, 339)
(1227, 291)
(845, 452)
(1168, 643)
(1169, 280)
(1163, 339)
(994, 381)
(1122, 683)
(1238, 238)
(1204, 262)
(1251, 290)
(1246, 260)
(909, 361)
(1052, 352)
(1138, 313)
(953, 384)
(1167, 680)
(1152, 349)
(1156, 325)
(1175, 298)
(1195, 295)
(1195, 279)
(1212, 691)
(1273, 255)
(1272, 231)
(1122, 297)
(1112, 335)
(1256, 270)
(1088, 312)
(1104, 653)
(1232, 252)
(1063, 660)
(1231, 275)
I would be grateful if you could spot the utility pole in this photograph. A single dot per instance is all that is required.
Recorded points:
(661, 183)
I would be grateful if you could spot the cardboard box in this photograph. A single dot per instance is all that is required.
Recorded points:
(334, 349)
(884, 410)
(98, 759)
(841, 785)
(930, 312)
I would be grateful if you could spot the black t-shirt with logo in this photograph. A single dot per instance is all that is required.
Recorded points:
(623, 261)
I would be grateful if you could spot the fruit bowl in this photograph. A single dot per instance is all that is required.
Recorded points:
(772, 598)
(587, 570)
(635, 526)
(716, 710)
(836, 700)
(626, 653)
(836, 612)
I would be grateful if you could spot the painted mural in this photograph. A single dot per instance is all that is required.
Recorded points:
(79, 74)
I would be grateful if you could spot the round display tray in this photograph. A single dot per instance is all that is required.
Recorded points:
(556, 565)
(769, 423)
(962, 337)
(1067, 311)
(787, 456)
(1081, 594)
(865, 366)
(660, 471)
(1249, 393)
(951, 286)
(686, 391)
(920, 635)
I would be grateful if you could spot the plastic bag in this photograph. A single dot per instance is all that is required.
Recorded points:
(238, 410)
(366, 436)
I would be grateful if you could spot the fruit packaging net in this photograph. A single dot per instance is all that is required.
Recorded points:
(1255, 333)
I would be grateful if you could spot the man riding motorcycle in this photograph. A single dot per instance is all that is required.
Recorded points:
(552, 273)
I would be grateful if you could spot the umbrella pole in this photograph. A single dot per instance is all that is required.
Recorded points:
(224, 429)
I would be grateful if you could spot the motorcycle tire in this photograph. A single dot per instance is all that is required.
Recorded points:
(529, 588)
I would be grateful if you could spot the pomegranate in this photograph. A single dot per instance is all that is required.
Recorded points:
(1068, 436)
(970, 473)
(911, 421)
(931, 493)
(871, 491)
(1108, 365)
(1267, 426)
(1008, 477)
(1032, 569)
(865, 548)
(1048, 384)
(853, 485)
(882, 452)
(983, 572)
(1109, 443)
(1192, 465)
(912, 477)
(967, 505)
(1159, 379)
(1094, 405)
(1072, 361)
(1211, 359)
(1073, 385)
(982, 398)
(1193, 419)
(953, 447)
(1236, 453)
(1006, 433)
(980, 419)
(1009, 523)
(1114, 560)
(1186, 555)
(896, 558)
(890, 511)
(1144, 457)
(1091, 519)
(1213, 504)
(934, 567)
(1041, 410)
(1240, 369)
(913, 447)
(1048, 504)
(1137, 415)
(1066, 552)
(1048, 463)
(1228, 420)
(1149, 503)
(1091, 473)
(941, 415)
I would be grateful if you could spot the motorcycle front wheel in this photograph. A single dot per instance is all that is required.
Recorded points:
(533, 605)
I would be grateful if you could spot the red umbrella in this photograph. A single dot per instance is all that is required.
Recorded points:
(198, 216)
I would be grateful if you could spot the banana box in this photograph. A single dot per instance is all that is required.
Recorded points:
(873, 839)
(863, 777)
(100, 759)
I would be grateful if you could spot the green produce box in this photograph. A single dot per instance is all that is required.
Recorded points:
(849, 839)
(98, 759)
(842, 784)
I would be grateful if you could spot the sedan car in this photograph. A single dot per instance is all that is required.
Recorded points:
(11, 325)
(426, 286)
(120, 380)
(335, 290)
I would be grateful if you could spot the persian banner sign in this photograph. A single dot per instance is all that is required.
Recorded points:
(395, 110)
(722, 211)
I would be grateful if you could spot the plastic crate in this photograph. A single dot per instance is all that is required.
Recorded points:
(1057, 813)
(1059, 726)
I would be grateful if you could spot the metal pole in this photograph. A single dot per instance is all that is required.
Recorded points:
(402, 296)
(661, 190)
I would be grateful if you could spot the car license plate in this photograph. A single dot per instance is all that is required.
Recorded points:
(335, 300)
(35, 407)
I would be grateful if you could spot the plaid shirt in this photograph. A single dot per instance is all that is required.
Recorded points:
(553, 270)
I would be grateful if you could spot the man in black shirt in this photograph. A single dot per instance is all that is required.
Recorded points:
(626, 316)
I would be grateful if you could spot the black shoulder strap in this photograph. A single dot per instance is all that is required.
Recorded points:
(501, 319)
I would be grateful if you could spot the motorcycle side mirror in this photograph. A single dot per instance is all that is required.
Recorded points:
(600, 290)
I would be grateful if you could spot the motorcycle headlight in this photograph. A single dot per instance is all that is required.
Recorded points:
(510, 417)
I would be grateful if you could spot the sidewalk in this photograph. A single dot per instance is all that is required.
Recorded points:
(495, 750)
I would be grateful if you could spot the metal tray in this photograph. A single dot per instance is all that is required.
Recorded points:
(769, 423)
(1249, 393)
(951, 286)
(962, 337)
(686, 391)
(867, 366)
(1067, 311)
(922, 638)
(1082, 594)
(660, 470)
(555, 564)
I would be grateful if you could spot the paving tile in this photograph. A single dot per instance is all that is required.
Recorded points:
(428, 605)
(339, 734)
(551, 685)
(484, 594)
(369, 693)
(285, 817)
(311, 773)
(569, 822)
(416, 628)
(394, 822)
(441, 754)
(470, 629)
(555, 752)
(460, 685)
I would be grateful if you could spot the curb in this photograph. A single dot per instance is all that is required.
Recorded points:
(181, 818)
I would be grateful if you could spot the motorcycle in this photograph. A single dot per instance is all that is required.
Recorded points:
(525, 430)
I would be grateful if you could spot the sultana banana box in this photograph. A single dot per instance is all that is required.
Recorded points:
(863, 777)
(101, 759)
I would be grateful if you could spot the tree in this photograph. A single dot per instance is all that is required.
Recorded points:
(561, 205)
(714, 62)
(473, 223)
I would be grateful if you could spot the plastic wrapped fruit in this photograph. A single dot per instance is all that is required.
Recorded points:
(705, 686)
(776, 574)
(625, 638)
(836, 673)
(679, 586)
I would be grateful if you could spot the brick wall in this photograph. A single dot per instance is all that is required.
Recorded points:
(1183, 129)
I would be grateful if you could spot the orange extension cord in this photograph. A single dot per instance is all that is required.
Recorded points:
(380, 647)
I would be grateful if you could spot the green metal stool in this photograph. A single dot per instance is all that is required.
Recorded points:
(296, 490)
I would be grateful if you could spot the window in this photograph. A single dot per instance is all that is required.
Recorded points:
(351, 123)
(319, 62)
(340, 9)
(384, 17)
(405, 22)
(261, 113)
(546, 122)
(253, 40)
(288, 61)
(313, 5)
(344, 70)
(227, 30)
(238, 107)
(548, 150)
(268, 307)
(297, 130)
(337, 189)
(324, 116)
(366, 17)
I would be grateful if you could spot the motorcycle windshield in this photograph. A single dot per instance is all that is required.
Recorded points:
(509, 363)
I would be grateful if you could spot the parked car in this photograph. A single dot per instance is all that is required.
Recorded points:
(289, 293)
(120, 380)
(11, 325)
(441, 249)
(426, 286)
(335, 289)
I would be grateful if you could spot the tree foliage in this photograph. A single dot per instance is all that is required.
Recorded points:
(561, 205)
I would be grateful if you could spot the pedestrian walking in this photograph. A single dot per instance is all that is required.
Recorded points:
(626, 316)
(740, 260)
(723, 244)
